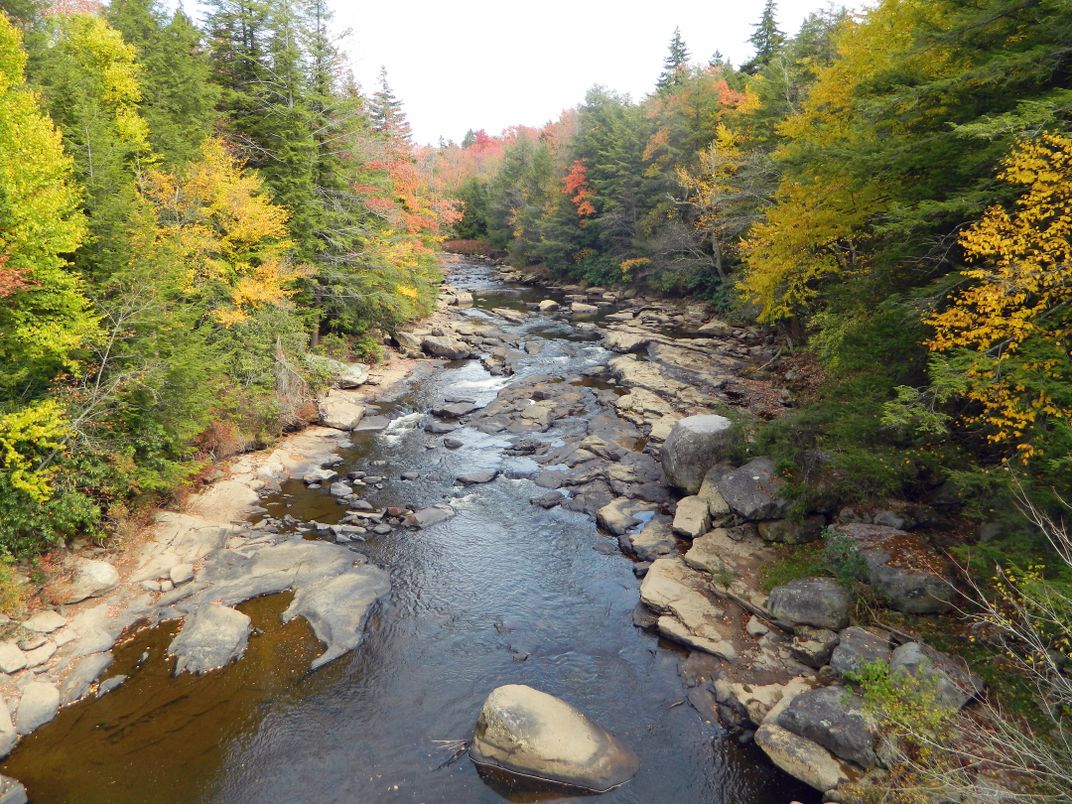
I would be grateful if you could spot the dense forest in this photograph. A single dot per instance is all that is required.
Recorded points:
(890, 190)
(185, 214)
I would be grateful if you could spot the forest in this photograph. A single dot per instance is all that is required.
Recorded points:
(891, 191)
(185, 214)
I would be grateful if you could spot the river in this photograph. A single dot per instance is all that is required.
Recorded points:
(504, 592)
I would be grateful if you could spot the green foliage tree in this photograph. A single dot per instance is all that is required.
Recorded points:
(675, 63)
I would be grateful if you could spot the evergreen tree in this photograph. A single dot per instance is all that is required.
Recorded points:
(677, 59)
(468, 139)
(766, 38)
(178, 96)
(386, 113)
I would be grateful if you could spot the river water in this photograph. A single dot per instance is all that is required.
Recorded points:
(505, 592)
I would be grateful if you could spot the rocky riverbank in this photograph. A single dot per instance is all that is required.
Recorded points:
(648, 440)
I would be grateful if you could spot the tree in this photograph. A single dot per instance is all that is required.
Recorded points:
(766, 38)
(1005, 337)
(386, 113)
(677, 59)
(178, 95)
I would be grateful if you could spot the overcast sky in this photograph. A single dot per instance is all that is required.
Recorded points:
(461, 64)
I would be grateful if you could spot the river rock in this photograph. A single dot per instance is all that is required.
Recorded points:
(522, 730)
(709, 492)
(477, 478)
(445, 346)
(695, 444)
(753, 491)
(581, 308)
(858, 646)
(786, 531)
(343, 375)
(801, 758)
(39, 704)
(813, 646)
(692, 518)
(8, 735)
(954, 684)
(12, 791)
(340, 410)
(340, 489)
(656, 539)
(819, 602)
(426, 517)
(181, 573)
(680, 595)
(12, 659)
(45, 622)
(548, 305)
(338, 609)
(210, 638)
(907, 573)
(620, 515)
(91, 578)
(409, 343)
(626, 342)
(317, 475)
(833, 717)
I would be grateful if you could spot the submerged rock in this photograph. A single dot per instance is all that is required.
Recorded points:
(210, 638)
(695, 444)
(426, 517)
(527, 732)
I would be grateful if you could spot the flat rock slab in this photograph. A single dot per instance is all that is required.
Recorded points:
(39, 704)
(622, 515)
(340, 410)
(210, 638)
(45, 622)
(532, 734)
(12, 659)
(79, 680)
(338, 609)
(689, 615)
(692, 518)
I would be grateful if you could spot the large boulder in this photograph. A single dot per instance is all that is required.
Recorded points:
(91, 578)
(857, 647)
(954, 684)
(688, 614)
(445, 346)
(820, 602)
(834, 718)
(695, 444)
(210, 638)
(340, 410)
(754, 491)
(801, 758)
(524, 731)
(906, 572)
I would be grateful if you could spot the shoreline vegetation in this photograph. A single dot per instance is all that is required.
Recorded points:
(203, 228)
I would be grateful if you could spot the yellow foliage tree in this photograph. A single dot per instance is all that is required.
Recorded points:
(225, 229)
(1010, 332)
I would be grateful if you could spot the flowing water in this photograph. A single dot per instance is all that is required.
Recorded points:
(505, 592)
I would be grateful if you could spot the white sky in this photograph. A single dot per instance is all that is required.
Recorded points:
(460, 64)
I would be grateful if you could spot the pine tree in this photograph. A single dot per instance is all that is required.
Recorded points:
(677, 59)
(766, 38)
(386, 111)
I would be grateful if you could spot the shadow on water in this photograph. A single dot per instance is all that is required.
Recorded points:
(504, 592)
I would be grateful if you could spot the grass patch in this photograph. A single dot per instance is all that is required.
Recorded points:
(794, 562)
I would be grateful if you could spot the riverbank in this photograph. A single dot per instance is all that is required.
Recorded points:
(519, 422)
